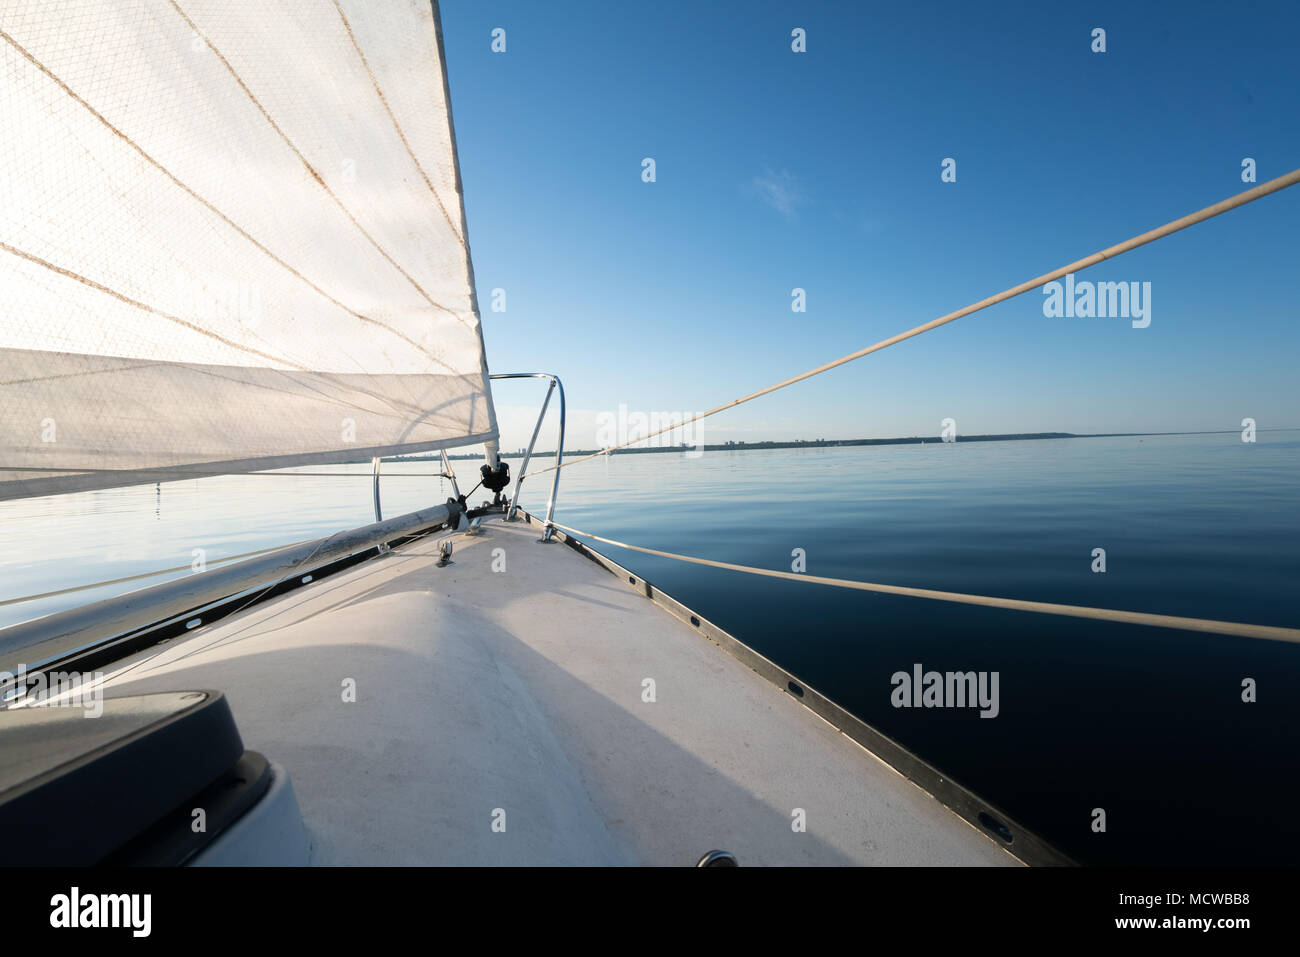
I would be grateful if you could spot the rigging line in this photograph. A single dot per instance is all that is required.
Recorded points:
(306, 163)
(132, 578)
(1238, 629)
(1232, 202)
(397, 126)
(230, 222)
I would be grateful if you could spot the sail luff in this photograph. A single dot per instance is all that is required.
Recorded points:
(225, 246)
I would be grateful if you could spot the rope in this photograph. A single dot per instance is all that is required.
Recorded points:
(1265, 632)
(1209, 212)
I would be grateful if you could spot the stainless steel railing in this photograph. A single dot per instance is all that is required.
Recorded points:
(447, 473)
(62, 633)
(65, 632)
(555, 386)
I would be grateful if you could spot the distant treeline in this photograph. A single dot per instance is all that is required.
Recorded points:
(808, 444)
(828, 444)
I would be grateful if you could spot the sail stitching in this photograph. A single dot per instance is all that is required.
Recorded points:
(100, 287)
(315, 174)
(191, 192)
(398, 127)
(85, 280)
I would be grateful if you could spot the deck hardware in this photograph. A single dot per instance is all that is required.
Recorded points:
(459, 522)
(444, 553)
(475, 527)
(718, 859)
(494, 480)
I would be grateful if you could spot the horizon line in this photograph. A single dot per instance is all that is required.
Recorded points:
(734, 445)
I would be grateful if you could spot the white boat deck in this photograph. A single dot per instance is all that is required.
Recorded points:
(522, 691)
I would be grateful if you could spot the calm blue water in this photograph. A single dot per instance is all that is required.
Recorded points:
(1145, 723)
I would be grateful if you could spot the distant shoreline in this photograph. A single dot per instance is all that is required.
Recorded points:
(843, 443)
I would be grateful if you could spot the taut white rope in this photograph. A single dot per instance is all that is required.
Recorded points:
(1238, 629)
(1232, 202)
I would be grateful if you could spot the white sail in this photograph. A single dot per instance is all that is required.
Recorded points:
(231, 238)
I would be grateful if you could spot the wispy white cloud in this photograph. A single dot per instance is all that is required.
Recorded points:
(780, 190)
(871, 225)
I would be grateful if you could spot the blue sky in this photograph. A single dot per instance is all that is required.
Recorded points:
(821, 170)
